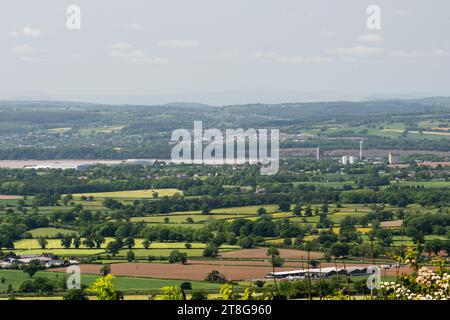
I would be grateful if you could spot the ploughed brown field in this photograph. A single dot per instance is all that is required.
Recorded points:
(391, 224)
(198, 270)
(5, 197)
(261, 253)
(180, 272)
(250, 263)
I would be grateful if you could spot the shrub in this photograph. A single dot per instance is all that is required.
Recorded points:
(186, 286)
(211, 251)
(177, 256)
(215, 276)
(76, 295)
(130, 256)
(199, 295)
(41, 285)
(105, 270)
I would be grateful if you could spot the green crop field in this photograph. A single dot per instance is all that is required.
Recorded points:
(16, 277)
(144, 253)
(182, 218)
(49, 232)
(62, 252)
(425, 184)
(251, 210)
(131, 194)
(329, 184)
(31, 246)
(161, 252)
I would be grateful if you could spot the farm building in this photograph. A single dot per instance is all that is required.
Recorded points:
(318, 273)
(47, 260)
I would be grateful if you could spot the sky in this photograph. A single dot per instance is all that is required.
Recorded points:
(223, 51)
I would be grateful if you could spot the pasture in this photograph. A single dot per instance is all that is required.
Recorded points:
(50, 232)
(16, 277)
(132, 194)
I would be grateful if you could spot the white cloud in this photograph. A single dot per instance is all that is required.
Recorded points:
(328, 34)
(440, 52)
(273, 57)
(231, 54)
(264, 55)
(26, 32)
(305, 60)
(28, 59)
(404, 12)
(419, 53)
(370, 38)
(22, 49)
(179, 44)
(149, 60)
(133, 26)
(357, 50)
(407, 54)
(130, 53)
(121, 46)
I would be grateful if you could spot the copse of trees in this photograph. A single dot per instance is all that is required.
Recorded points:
(417, 225)
(176, 256)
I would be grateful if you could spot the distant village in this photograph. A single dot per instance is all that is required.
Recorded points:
(47, 260)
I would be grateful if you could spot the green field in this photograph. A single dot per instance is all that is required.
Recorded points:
(425, 184)
(157, 249)
(16, 277)
(49, 232)
(56, 244)
(131, 194)
(178, 219)
(247, 209)
(328, 184)
(62, 252)
(144, 253)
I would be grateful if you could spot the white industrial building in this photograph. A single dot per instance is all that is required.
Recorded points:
(394, 158)
(348, 160)
(139, 162)
(318, 273)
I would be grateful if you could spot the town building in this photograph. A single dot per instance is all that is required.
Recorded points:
(394, 158)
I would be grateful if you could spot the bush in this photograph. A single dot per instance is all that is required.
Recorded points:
(215, 276)
(76, 295)
(211, 251)
(186, 286)
(41, 285)
(105, 270)
(177, 256)
(130, 256)
(245, 243)
(199, 295)
(32, 267)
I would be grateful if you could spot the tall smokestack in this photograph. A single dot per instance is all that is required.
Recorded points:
(361, 145)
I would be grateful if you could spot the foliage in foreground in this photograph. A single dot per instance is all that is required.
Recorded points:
(423, 284)
(104, 289)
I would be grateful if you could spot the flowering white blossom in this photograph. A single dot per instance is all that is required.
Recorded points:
(430, 286)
